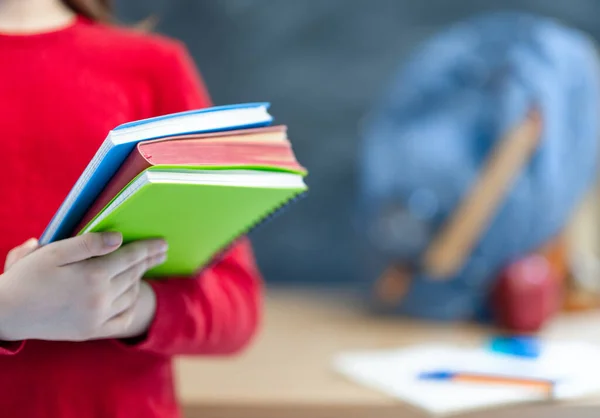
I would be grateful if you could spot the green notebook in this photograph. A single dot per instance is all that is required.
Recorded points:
(199, 212)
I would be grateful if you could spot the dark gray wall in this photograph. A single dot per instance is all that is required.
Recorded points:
(320, 63)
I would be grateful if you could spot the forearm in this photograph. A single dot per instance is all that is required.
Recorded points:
(10, 343)
(6, 312)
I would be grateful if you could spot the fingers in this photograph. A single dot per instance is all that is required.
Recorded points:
(83, 247)
(19, 252)
(128, 257)
(124, 304)
(117, 324)
(136, 319)
(28, 246)
(123, 281)
(126, 300)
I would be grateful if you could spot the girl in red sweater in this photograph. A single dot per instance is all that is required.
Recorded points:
(81, 335)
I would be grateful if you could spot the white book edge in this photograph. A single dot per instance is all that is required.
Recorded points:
(234, 178)
(190, 123)
(207, 121)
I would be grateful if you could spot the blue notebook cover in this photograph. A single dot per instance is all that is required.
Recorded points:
(78, 202)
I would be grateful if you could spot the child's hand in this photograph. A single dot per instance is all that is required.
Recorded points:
(77, 289)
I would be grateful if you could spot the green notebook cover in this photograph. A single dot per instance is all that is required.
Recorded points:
(198, 221)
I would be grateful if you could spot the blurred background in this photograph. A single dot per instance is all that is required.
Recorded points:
(321, 63)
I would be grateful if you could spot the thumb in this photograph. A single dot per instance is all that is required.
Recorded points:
(83, 247)
(30, 245)
(19, 252)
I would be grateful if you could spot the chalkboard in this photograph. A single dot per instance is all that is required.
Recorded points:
(321, 63)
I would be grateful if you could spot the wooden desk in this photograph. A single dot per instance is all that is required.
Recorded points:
(287, 371)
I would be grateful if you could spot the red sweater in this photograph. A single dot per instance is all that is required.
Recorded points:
(60, 93)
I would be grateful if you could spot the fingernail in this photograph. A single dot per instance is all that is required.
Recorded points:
(31, 242)
(162, 246)
(112, 239)
(159, 259)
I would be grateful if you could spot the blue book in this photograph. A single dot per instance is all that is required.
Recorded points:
(122, 140)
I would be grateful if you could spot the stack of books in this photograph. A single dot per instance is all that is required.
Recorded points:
(199, 179)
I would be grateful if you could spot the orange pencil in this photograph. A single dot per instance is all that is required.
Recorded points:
(546, 386)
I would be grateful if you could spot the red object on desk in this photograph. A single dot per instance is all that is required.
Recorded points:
(527, 295)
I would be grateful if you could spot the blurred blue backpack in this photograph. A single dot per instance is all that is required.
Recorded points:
(427, 141)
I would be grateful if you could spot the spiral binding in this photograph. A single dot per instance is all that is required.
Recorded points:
(258, 224)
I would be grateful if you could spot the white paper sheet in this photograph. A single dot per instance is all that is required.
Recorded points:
(576, 367)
